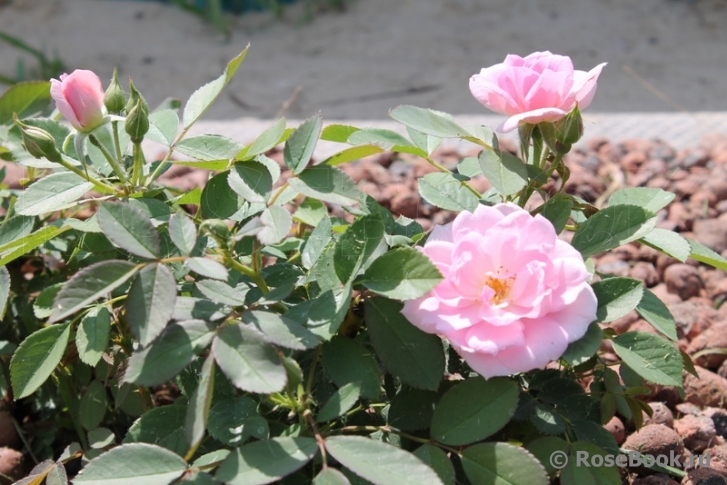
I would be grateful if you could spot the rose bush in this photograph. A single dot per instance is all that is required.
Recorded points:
(251, 331)
(513, 295)
(538, 87)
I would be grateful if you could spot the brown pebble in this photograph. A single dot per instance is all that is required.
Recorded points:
(712, 233)
(645, 272)
(8, 434)
(661, 414)
(697, 432)
(717, 459)
(655, 440)
(709, 390)
(658, 479)
(616, 427)
(683, 280)
(713, 337)
(704, 476)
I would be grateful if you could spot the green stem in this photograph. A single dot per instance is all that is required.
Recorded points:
(138, 165)
(100, 186)
(117, 143)
(68, 394)
(247, 271)
(110, 159)
(446, 170)
(312, 371)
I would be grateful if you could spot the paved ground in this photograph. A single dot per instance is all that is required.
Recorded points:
(666, 73)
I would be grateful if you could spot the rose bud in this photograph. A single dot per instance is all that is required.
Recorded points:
(79, 97)
(115, 98)
(38, 142)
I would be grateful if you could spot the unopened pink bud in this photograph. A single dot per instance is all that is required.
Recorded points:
(79, 97)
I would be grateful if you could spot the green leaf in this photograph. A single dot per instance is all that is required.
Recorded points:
(282, 331)
(654, 311)
(438, 460)
(169, 354)
(702, 254)
(151, 302)
(316, 242)
(207, 267)
(412, 409)
(507, 173)
(276, 222)
(266, 461)
(347, 361)
(24, 99)
(326, 183)
(426, 143)
(129, 228)
(557, 211)
(575, 474)
(188, 308)
(52, 193)
(13, 250)
(92, 335)
(446, 191)
(338, 133)
(327, 311)
(226, 422)
(585, 347)
(206, 95)
(669, 243)
(428, 121)
(473, 410)
(543, 448)
(351, 154)
(251, 180)
(152, 465)
(617, 297)
(469, 167)
(92, 406)
(267, 140)
(100, 438)
(330, 476)
(218, 200)
(163, 426)
(15, 229)
(299, 146)
(415, 357)
(209, 147)
(612, 227)
(651, 199)
(221, 292)
(5, 291)
(650, 356)
(502, 464)
(357, 245)
(163, 126)
(183, 233)
(379, 462)
(340, 402)
(198, 408)
(248, 360)
(36, 358)
(90, 284)
(385, 139)
(403, 273)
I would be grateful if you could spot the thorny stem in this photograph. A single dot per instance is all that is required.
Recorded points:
(138, 165)
(277, 194)
(441, 168)
(114, 163)
(100, 186)
(319, 439)
(247, 271)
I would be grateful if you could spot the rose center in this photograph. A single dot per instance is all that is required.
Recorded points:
(501, 287)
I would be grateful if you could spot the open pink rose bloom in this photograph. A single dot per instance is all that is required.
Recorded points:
(79, 97)
(535, 88)
(513, 295)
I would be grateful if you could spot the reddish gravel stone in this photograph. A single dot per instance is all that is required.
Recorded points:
(709, 390)
(616, 427)
(704, 476)
(659, 479)
(645, 272)
(661, 414)
(655, 440)
(11, 465)
(713, 337)
(697, 432)
(683, 280)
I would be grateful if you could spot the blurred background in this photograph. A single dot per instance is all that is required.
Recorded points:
(356, 59)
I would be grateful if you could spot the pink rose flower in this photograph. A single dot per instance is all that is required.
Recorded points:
(513, 295)
(79, 97)
(539, 87)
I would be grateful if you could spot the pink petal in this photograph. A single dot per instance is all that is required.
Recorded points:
(533, 117)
